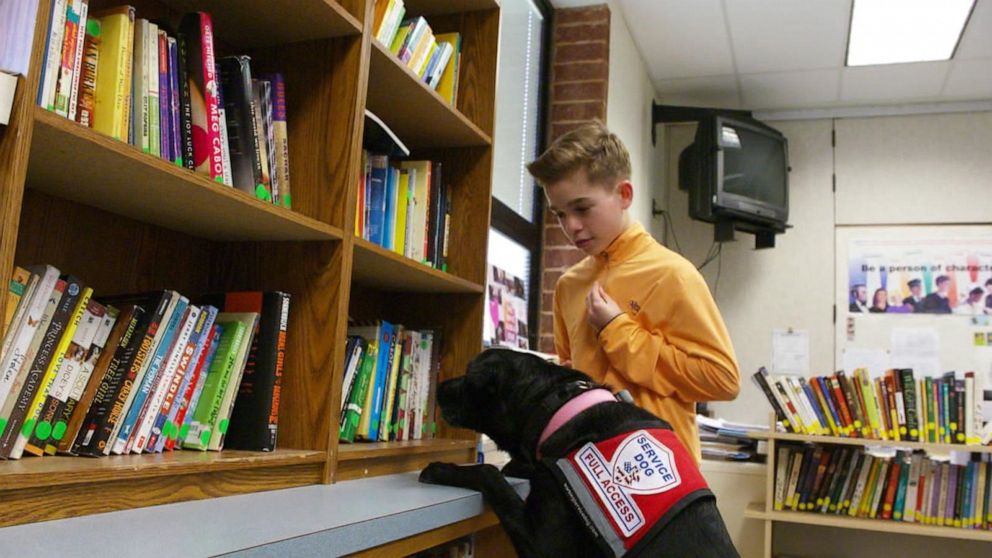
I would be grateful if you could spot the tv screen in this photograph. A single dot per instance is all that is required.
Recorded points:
(737, 170)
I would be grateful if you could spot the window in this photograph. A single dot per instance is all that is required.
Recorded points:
(515, 236)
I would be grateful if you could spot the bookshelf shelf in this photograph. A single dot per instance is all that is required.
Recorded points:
(414, 111)
(374, 266)
(429, 7)
(51, 471)
(366, 460)
(250, 24)
(71, 161)
(359, 450)
(757, 511)
(927, 447)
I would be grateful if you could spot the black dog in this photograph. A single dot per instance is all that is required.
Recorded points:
(511, 397)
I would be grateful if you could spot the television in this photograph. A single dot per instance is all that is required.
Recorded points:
(737, 170)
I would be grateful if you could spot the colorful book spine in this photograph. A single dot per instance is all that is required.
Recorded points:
(113, 79)
(218, 377)
(246, 168)
(184, 416)
(185, 102)
(280, 132)
(205, 114)
(164, 97)
(54, 52)
(77, 61)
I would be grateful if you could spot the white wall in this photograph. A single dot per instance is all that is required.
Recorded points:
(628, 113)
(892, 163)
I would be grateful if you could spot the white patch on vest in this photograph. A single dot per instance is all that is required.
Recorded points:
(640, 465)
(643, 465)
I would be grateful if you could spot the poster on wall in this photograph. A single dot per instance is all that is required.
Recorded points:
(920, 274)
(506, 311)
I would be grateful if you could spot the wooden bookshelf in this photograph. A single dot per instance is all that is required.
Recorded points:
(125, 221)
(757, 511)
(903, 444)
(766, 513)
(375, 266)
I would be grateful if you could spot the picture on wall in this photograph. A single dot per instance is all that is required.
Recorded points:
(920, 274)
(506, 311)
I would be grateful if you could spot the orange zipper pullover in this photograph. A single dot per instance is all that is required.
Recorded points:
(669, 347)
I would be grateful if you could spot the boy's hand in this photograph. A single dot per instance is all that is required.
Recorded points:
(601, 309)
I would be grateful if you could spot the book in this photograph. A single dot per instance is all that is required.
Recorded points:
(254, 423)
(110, 335)
(174, 355)
(184, 415)
(175, 103)
(64, 379)
(222, 421)
(113, 80)
(53, 53)
(140, 87)
(166, 427)
(258, 118)
(95, 431)
(86, 93)
(161, 306)
(447, 85)
(19, 362)
(268, 138)
(225, 148)
(164, 97)
(77, 60)
(205, 416)
(246, 168)
(186, 151)
(198, 32)
(16, 289)
(147, 377)
(60, 333)
(280, 131)
(350, 418)
(152, 70)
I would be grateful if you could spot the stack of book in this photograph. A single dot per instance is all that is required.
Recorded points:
(136, 373)
(724, 440)
(434, 58)
(897, 406)
(898, 486)
(158, 86)
(404, 206)
(388, 389)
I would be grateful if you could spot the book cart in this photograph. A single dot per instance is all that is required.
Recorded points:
(765, 511)
(126, 221)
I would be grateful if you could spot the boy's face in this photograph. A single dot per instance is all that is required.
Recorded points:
(592, 215)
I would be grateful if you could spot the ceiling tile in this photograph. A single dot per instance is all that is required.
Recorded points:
(781, 35)
(977, 39)
(680, 38)
(970, 79)
(790, 89)
(893, 82)
(714, 91)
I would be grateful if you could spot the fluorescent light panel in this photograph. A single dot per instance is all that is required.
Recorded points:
(893, 31)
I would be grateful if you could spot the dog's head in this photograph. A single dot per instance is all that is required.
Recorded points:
(499, 394)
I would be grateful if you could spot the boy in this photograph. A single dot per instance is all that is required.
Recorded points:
(632, 314)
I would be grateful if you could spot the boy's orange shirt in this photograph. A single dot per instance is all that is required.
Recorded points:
(669, 348)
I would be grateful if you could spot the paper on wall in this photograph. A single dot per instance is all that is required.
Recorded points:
(876, 361)
(917, 348)
(790, 352)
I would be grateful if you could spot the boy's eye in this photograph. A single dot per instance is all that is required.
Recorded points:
(581, 209)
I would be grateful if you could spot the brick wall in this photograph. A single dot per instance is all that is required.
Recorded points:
(580, 58)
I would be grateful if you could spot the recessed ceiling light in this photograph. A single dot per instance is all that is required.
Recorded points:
(890, 31)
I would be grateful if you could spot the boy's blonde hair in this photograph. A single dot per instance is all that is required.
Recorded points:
(590, 147)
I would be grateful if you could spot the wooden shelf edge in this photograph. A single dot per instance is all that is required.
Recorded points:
(432, 7)
(442, 281)
(757, 511)
(928, 447)
(345, 15)
(383, 52)
(63, 470)
(361, 450)
(51, 124)
(429, 539)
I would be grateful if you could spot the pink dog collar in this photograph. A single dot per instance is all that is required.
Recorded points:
(569, 410)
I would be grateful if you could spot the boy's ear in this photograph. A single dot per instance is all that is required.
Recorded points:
(626, 190)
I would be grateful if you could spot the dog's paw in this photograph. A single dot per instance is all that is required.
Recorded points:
(439, 473)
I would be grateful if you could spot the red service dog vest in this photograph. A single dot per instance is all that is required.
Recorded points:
(631, 485)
